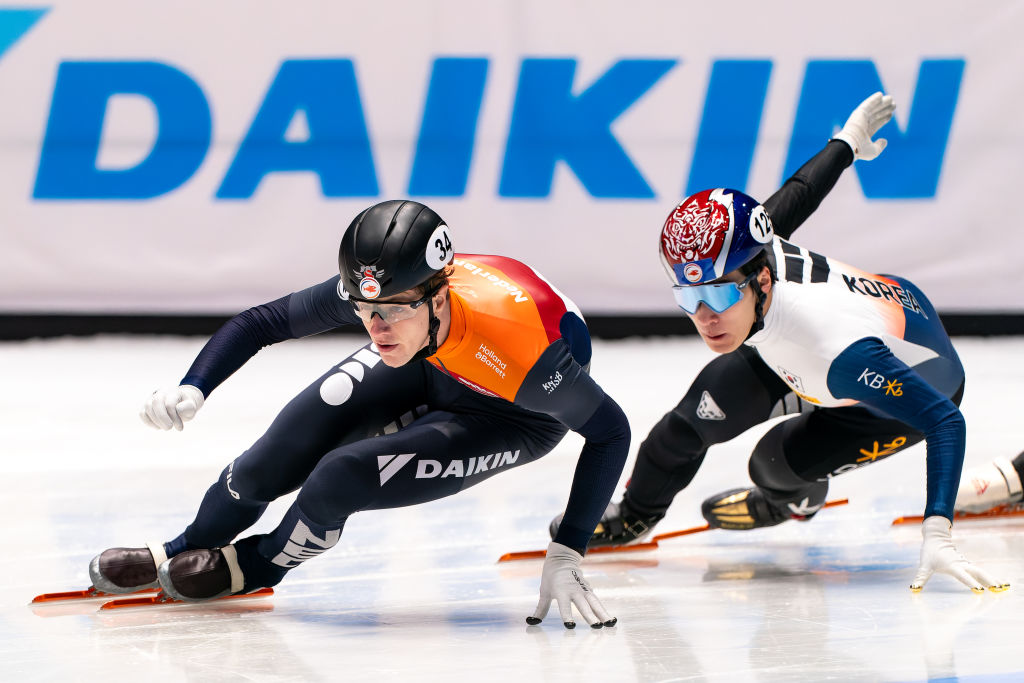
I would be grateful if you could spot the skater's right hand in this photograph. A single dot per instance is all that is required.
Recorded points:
(938, 554)
(562, 580)
(166, 408)
(864, 122)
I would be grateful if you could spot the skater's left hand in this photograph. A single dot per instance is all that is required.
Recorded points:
(562, 580)
(864, 122)
(938, 554)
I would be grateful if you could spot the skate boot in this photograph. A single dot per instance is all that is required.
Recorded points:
(198, 575)
(988, 486)
(619, 525)
(126, 570)
(744, 509)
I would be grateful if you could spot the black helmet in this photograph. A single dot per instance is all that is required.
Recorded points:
(391, 247)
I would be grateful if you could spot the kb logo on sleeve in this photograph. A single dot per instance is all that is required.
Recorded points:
(877, 381)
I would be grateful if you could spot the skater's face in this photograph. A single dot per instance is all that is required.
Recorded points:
(398, 341)
(725, 331)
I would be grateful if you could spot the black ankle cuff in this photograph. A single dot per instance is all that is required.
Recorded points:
(258, 571)
(178, 546)
(629, 509)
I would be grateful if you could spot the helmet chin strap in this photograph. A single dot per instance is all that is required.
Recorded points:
(758, 311)
(433, 326)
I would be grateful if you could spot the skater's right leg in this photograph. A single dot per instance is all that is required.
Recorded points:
(358, 398)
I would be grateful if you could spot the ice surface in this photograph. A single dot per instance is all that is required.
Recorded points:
(417, 594)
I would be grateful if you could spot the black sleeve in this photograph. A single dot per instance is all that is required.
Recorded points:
(313, 310)
(558, 386)
(801, 194)
(597, 472)
(319, 308)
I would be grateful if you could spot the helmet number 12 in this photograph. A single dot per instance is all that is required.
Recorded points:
(761, 225)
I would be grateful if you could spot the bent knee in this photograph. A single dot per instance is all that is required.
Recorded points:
(341, 484)
(263, 483)
(768, 466)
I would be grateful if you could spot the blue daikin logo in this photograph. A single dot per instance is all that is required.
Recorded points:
(553, 120)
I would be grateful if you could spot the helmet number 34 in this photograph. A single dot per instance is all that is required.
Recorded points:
(439, 248)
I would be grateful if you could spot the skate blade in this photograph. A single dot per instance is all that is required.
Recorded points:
(164, 599)
(538, 554)
(649, 545)
(87, 594)
(676, 534)
(1001, 512)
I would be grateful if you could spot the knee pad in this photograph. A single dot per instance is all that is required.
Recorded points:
(783, 488)
(341, 484)
(768, 466)
(249, 485)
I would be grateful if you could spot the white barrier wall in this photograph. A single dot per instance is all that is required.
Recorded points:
(202, 157)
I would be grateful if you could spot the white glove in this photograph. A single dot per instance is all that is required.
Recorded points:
(864, 122)
(166, 408)
(562, 580)
(939, 555)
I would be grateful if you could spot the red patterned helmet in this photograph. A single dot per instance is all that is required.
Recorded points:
(712, 233)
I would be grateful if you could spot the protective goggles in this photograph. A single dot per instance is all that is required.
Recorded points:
(718, 297)
(390, 313)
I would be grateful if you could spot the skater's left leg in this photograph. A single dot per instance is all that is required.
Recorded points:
(794, 461)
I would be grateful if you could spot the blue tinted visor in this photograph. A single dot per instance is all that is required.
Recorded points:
(718, 297)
